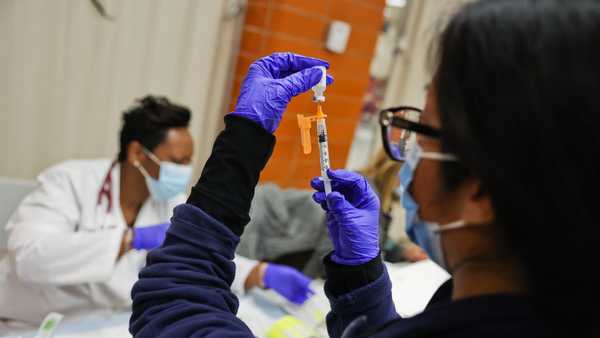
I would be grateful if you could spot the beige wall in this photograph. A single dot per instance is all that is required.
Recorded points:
(410, 72)
(68, 73)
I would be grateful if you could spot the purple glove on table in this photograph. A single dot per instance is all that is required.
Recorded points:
(149, 237)
(352, 216)
(288, 282)
(271, 83)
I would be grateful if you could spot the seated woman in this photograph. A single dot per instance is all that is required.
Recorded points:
(501, 166)
(78, 242)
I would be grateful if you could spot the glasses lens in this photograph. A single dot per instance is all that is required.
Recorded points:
(397, 135)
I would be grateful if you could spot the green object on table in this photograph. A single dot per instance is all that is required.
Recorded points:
(289, 327)
(49, 324)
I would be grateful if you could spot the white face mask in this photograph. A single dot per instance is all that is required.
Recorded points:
(172, 180)
(423, 233)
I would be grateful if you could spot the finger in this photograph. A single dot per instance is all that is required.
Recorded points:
(351, 183)
(336, 202)
(344, 175)
(302, 81)
(329, 79)
(320, 198)
(281, 65)
(299, 299)
(302, 295)
(317, 184)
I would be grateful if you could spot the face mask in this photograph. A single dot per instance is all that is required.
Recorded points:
(172, 180)
(423, 233)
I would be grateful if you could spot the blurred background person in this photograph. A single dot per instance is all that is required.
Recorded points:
(287, 227)
(382, 174)
(79, 240)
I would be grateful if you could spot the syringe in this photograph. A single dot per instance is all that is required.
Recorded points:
(305, 124)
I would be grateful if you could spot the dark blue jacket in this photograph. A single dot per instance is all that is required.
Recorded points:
(184, 291)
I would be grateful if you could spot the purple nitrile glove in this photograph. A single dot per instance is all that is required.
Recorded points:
(271, 83)
(288, 282)
(149, 237)
(352, 216)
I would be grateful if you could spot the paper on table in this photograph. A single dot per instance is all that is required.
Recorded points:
(413, 285)
(120, 331)
(261, 309)
(258, 313)
(312, 312)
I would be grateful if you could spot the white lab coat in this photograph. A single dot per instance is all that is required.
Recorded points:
(63, 245)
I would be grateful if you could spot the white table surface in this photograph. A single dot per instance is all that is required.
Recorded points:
(412, 287)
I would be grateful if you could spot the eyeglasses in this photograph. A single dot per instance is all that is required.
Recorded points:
(398, 125)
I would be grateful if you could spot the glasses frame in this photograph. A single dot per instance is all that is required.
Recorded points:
(387, 120)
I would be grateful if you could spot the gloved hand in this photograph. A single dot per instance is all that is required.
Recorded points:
(352, 216)
(288, 282)
(271, 83)
(149, 237)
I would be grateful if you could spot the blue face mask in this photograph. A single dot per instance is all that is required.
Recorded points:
(423, 233)
(172, 180)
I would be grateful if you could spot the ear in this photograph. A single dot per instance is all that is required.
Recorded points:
(478, 207)
(135, 153)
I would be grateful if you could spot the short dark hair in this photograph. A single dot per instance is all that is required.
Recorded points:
(148, 122)
(517, 85)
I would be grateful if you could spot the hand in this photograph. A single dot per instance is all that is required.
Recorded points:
(413, 253)
(288, 282)
(352, 216)
(149, 237)
(271, 83)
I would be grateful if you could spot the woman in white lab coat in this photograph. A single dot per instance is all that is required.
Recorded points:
(79, 240)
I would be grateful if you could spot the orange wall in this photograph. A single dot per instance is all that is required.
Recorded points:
(300, 26)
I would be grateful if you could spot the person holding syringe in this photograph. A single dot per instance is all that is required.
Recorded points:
(481, 205)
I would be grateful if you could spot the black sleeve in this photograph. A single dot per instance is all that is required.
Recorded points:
(226, 187)
(342, 279)
(443, 294)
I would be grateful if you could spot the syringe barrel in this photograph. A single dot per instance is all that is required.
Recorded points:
(323, 153)
(323, 146)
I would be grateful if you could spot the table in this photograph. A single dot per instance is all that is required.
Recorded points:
(412, 287)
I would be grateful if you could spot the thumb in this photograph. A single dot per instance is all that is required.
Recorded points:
(337, 202)
(302, 81)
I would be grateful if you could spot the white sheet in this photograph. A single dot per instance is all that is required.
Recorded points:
(120, 331)
(412, 287)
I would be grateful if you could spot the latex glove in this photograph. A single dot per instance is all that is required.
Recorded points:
(352, 217)
(149, 237)
(271, 83)
(288, 282)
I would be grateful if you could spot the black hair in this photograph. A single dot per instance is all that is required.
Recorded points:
(148, 122)
(517, 83)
